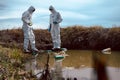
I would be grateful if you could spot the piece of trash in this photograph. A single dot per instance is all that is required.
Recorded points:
(64, 49)
(38, 73)
(22, 72)
(82, 65)
(60, 56)
(106, 51)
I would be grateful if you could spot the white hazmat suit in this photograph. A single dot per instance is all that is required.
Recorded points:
(55, 19)
(27, 29)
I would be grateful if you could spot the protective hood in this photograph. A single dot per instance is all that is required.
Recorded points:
(31, 9)
(52, 8)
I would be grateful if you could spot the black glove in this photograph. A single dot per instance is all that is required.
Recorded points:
(55, 22)
(49, 29)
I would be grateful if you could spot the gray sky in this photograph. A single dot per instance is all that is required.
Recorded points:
(104, 13)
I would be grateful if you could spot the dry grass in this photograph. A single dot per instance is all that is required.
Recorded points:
(73, 37)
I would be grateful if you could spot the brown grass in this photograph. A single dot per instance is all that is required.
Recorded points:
(73, 37)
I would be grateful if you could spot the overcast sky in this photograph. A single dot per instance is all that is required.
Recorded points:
(104, 13)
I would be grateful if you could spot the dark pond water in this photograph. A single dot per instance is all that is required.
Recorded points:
(78, 64)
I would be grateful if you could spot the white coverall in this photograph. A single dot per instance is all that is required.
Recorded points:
(27, 29)
(55, 19)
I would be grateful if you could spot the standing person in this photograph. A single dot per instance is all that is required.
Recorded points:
(55, 19)
(27, 29)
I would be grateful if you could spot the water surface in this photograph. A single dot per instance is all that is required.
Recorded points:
(78, 64)
(83, 58)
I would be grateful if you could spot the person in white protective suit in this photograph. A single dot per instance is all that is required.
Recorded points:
(27, 30)
(55, 19)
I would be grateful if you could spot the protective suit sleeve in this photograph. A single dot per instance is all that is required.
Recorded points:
(50, 21)
(59, 18)
(26, 18)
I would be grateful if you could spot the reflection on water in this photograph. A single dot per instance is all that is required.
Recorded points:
(79, 64)
(78, 58)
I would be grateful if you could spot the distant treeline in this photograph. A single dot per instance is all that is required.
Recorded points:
(73, 37)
